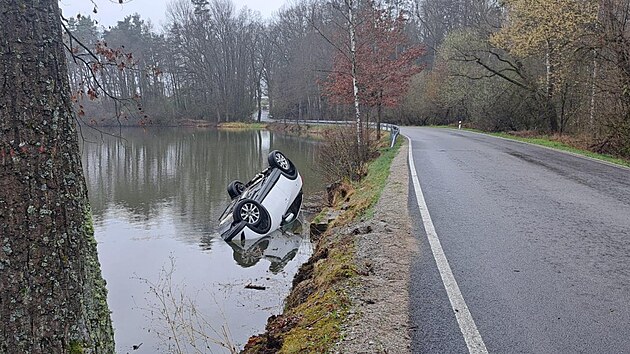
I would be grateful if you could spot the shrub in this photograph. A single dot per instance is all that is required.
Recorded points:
(341, 158)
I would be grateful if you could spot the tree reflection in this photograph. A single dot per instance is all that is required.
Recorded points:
(182, 174)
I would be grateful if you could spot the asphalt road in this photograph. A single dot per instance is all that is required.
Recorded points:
(537, 240)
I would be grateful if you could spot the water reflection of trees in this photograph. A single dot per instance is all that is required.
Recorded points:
(184, 171)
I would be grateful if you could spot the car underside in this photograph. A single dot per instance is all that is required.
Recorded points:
(271, 199)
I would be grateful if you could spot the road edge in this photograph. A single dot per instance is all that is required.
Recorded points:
(611, 164)
(466, 323)
(379, 319)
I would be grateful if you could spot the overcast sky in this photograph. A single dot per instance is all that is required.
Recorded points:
(110, 12)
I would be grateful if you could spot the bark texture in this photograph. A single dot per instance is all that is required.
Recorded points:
(52, 295)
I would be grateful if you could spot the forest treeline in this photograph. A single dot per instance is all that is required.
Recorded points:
(553, 66)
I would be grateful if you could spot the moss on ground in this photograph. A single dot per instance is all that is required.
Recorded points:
(320, 324)
(76, 347)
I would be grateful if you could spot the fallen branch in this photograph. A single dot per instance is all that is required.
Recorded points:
(255, 287)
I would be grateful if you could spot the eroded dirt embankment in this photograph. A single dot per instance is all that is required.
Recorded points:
(351, 296)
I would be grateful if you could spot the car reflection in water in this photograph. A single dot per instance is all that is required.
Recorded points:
(279, 248)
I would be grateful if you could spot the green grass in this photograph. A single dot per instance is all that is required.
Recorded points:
(368, 191)
(320, 325)
(548, 142)
(242, 125)
(378, 172)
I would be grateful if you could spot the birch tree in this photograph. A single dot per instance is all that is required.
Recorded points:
(380, 65)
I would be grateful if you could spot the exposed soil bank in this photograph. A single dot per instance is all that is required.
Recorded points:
(351, 296)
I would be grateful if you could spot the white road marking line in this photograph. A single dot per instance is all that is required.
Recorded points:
(462, 314)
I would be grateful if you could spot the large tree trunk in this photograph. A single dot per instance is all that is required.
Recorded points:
(52, 295)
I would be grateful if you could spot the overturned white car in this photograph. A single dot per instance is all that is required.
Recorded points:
(270, 200)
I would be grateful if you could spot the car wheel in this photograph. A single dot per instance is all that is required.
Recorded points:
(253, 214)
(249, 211)
(235, 188)
(278, 160)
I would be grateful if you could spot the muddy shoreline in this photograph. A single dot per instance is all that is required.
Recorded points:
(372, 307)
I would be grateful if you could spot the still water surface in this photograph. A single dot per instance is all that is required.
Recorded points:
(156, 197)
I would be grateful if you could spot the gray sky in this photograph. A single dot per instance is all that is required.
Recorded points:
(110, 12)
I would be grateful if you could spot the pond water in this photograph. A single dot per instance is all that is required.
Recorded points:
(174, 285)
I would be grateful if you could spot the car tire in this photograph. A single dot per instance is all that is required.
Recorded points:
(235, 188)
(276, 159)
(253, 214)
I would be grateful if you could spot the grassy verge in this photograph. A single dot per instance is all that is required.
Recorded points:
(242, 126)
(310, 130)
(368, 191)
(562, 143)
(552, 142)
(318, 303)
